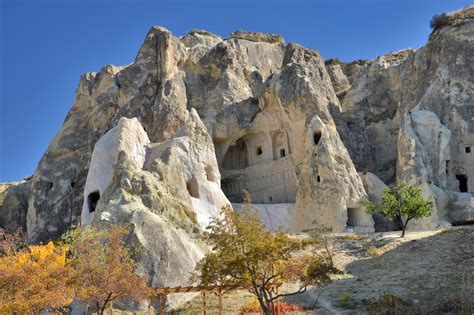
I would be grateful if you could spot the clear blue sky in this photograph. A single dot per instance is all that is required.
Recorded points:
(46, 45)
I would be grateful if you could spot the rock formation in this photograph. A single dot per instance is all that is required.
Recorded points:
(167, 192)
(152, 143)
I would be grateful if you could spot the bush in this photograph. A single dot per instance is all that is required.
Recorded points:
(283, 307)
(345, 298)
(374, 252)
(440, 20)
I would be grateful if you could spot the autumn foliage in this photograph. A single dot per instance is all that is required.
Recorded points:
(90, 265)
(246, 254)
(35, 280)
(103, 267)
(282, 307)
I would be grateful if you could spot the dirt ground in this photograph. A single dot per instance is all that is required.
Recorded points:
(423, 267)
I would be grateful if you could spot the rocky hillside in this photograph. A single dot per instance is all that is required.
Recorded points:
(166, 141)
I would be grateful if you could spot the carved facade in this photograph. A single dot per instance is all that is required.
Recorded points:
(263, 164)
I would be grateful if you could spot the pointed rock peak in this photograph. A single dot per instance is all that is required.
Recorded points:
(258, 37)
(156, 37)
(296, 53)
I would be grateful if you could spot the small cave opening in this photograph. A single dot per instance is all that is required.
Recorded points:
(92, 200)
(468, 149)
(192, 187)
(282, 153)
(461, 223)
(447, 167)
(462, 179)
(259, 150)
(319, 179)
(353, 216)
(316, 137)
(73, 184)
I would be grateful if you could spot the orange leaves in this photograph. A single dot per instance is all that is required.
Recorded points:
(103, 266)
(34, 279)
(93, 266)
(283, 307)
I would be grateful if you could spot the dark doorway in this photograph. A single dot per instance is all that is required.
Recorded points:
(282, 153)
(352, 216)
(92, 200)
(462, 182)
(316, 137)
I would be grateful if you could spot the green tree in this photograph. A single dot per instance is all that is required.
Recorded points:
(244, 253)
(403, 202)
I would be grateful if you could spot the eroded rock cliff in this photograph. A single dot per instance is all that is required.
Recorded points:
(166, 141)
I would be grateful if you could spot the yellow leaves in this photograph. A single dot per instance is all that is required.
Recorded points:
(95, 265)
(33, 279)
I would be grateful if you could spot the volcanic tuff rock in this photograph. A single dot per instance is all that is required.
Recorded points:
(195, 113)
(167, 192)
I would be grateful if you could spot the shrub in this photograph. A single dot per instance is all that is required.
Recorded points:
(375, 251)
(345, 298)
(282, 306)
(440, 20)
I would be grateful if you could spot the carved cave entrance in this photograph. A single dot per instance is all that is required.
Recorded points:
(462, 179)
(354, 216)
(92, 200)
(260, 163)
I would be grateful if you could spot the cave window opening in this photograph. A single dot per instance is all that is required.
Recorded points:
(468, 149)
(282, 153)
(447, 167)
(92, 200)
(271, 199)
(319, 179)
(316, 137)
(73, 184)
(192, 188)
(352, 216)
(259, 150)
(462, 179)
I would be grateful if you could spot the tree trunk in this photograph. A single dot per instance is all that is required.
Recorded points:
(404, 227)
(105, 303)
(220, 303)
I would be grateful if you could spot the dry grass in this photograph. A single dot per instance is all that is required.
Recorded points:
(375, 251)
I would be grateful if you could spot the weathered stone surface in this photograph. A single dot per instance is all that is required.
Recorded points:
(13, 205)
(167, 191)
(271, 118)
(258, 37)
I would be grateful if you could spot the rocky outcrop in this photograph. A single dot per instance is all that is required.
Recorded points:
(164, 142)
(13, 205)
(167, 192)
